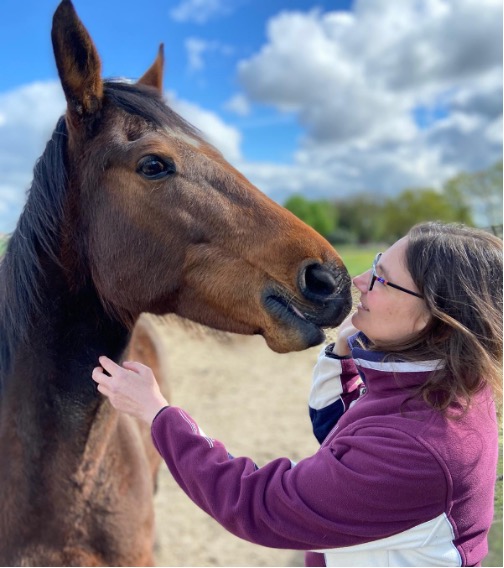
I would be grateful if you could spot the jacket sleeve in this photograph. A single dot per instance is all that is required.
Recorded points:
(336, 384)
(345, 494)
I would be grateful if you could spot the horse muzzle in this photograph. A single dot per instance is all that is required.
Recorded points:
(322, 300)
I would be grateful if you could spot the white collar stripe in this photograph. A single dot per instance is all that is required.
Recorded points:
(401, 366)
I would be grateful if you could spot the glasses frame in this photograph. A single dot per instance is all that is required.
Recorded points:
(374, 277)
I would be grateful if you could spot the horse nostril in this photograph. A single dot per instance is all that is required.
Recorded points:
(319, 281)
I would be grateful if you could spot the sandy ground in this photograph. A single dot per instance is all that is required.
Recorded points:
(253, 400)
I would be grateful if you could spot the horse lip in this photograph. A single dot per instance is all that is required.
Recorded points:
(284, 308)
(278, 306)
(285, 313)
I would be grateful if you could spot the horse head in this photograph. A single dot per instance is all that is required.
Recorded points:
(162, 223)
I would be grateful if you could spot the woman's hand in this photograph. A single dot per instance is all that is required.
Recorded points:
(131, 388)
(345, 330)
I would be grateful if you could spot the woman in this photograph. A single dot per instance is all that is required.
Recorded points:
(404, 410)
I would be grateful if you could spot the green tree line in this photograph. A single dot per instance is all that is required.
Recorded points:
(365, 218)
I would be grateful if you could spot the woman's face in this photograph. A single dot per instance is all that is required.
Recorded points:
(386, 314)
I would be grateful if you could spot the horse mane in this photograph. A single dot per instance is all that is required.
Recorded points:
(38, 232)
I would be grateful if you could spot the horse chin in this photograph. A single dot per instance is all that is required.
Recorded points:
(285, 340)
(281, 337)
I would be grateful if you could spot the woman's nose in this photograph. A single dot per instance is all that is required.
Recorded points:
(361, 281)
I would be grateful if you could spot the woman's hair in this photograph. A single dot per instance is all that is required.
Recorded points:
(458, 271)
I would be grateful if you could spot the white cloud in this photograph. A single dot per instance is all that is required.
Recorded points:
(200, 11)
(29, 116)
(196, 49)
(354, 81)
(224, 137)
(238, 104)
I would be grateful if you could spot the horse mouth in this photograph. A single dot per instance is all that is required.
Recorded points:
(308, 324)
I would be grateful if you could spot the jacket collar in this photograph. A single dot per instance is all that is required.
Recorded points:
(392, 371)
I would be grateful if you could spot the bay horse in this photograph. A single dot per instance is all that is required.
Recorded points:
(130, 211)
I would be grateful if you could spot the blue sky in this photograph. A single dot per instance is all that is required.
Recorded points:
(323, 98)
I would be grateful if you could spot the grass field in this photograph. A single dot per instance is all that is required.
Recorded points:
(357, 258)
(495, 557)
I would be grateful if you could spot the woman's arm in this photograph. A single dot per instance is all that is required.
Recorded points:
(347, 493)
(356, 490)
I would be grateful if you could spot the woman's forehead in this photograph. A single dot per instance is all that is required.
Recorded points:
(393, 260)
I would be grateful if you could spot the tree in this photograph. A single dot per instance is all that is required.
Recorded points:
(482, 191)
(320, 215)
(360, 219)
(418, 205)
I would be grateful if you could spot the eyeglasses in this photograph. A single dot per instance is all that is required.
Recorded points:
(375, 277)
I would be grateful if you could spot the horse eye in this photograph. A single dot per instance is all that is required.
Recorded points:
(154, 167)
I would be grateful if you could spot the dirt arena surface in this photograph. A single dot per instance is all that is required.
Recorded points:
(253, 400)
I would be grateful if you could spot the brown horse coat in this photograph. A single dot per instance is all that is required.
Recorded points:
(130, 211)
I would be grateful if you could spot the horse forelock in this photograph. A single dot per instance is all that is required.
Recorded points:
(148, 104)
(38, 231)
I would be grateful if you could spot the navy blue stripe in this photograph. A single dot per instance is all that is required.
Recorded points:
(323, 420)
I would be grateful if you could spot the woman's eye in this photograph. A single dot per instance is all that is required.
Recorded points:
(154, 167)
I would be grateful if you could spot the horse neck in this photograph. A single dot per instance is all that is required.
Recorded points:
(52, 357)
(53, 326)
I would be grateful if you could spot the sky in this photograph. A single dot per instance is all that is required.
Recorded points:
(323, 98)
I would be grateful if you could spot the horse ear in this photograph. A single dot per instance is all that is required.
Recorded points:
(78, 63)
(153, 77)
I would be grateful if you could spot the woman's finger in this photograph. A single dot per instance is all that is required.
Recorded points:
(109, 365)
(103, 390)
(98, 375)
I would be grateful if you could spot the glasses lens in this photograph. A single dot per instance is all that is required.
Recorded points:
(372, 278)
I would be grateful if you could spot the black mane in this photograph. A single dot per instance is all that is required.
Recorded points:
(38, 232)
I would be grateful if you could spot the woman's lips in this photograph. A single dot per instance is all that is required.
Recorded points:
(361, 307)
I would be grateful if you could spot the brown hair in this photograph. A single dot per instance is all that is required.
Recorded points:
(458, 271)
